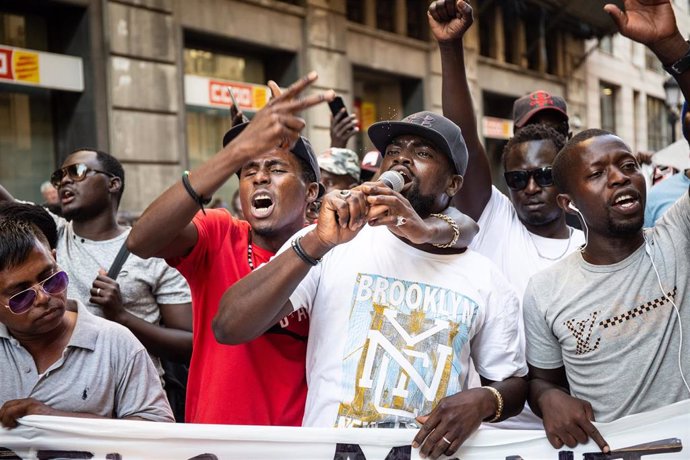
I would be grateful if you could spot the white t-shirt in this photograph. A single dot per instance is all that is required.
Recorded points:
(519, 254)
(516, 251)
(393, 329)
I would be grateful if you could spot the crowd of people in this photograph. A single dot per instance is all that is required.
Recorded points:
(337, 300)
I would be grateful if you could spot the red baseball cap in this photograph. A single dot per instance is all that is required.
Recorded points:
(527, 106)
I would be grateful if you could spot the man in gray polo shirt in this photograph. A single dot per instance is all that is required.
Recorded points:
(59, 362)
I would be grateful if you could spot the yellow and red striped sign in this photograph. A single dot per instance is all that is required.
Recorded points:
(37, 68)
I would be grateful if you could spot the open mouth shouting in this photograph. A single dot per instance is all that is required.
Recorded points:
(626, 203)
(262, 204)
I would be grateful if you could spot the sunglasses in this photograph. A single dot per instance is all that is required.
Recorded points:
(518, 180)
(21, 302)
(77, 172)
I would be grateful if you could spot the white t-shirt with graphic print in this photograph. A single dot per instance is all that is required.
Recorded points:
(393, 329)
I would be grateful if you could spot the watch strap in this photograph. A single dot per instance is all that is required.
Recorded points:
(681, 66)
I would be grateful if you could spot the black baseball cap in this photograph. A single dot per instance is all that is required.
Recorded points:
(302, 149)
(445, 135)
(529, 105)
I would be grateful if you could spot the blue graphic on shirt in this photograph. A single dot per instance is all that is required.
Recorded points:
(407, 347)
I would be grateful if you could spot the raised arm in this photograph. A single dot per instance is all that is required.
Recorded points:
(165, 229)
(449, 20)
(653, 23)
(246, 312)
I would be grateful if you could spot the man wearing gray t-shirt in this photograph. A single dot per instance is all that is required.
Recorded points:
(604, 325)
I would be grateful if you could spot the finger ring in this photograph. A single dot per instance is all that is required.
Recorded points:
(400, 220)
(98, 292)
(444, 438)
(345, 193)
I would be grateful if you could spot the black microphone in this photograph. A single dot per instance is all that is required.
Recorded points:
(393, 180)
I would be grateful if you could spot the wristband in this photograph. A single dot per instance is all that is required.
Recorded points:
(680, 66)
(453, 226)
(499, 404)
(201, 201)
(297, 246)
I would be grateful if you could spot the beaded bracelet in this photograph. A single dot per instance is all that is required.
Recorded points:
(453, 225)
(192, 193)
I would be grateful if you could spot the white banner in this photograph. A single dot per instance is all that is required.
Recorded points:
(665, 432)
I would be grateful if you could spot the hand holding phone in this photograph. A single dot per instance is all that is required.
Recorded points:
(236, 115)
(336, 105)
(343, 125)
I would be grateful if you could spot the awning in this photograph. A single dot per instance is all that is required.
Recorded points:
(585, 18)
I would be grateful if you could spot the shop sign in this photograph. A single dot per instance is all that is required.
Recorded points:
(497, 128)
(207, 92)
(36, 68)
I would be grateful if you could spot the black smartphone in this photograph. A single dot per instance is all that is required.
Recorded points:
(336, 105)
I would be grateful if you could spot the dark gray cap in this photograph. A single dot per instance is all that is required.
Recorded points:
(436, 128)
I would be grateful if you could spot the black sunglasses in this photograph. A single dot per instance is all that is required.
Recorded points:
(77, 172)
(22, 301)
(518, 180)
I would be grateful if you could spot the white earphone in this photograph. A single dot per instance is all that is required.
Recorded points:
(648, 250)
(584, 224)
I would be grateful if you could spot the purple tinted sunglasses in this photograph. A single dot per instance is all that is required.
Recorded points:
(21, 302)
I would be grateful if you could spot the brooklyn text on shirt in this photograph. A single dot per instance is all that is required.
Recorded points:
(396, 293)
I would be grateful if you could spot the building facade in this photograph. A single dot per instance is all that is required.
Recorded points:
(147, 80)
(625, 92)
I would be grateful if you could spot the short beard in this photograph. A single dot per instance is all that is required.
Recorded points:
(626, 228)
(422, 204)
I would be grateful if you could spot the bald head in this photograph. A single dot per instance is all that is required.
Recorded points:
(563, 164)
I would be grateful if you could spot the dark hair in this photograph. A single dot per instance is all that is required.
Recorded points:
(308, 174)
(534, 132)
(17, 239)
(110, 164)
(33, 214)
(563, 163)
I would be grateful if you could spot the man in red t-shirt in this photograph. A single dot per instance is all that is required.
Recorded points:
(261, 382)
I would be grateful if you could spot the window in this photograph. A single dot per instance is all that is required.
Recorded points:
(207, 125)
(25, 31)
(355, 11)
(385, 16)
(417, 22)
(228, 67)
(658, 129)
(487, 38)
(26, 125)
(607, 106)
